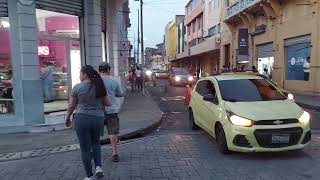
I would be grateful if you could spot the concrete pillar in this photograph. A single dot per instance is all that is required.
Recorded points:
(92, 30)
(112, 37)
(27, 85)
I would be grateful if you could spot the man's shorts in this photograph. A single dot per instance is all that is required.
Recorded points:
(112, 123)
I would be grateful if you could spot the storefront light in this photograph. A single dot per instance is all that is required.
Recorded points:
(5, 24)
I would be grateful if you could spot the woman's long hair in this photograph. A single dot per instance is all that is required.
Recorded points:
(96, 79)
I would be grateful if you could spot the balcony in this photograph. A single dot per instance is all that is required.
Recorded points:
(239, 6)
(205, 45)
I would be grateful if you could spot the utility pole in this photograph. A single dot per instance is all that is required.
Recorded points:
(138, 42)
(142, 41)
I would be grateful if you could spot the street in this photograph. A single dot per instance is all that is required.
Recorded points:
(173, 151)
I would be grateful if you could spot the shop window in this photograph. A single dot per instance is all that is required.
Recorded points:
(6, 76)
(298, 59)
(59, 57)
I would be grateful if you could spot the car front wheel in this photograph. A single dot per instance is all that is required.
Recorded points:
(192, 124)
(221, 140)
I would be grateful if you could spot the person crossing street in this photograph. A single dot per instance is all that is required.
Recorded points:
(114, 90)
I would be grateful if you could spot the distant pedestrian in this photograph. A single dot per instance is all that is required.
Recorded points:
(89, 98)
(306, 69)
(46, 77)
(133, 79)
(254, 69)
(114, 91)
(139, 78)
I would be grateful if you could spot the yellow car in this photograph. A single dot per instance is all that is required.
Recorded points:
(247, 113)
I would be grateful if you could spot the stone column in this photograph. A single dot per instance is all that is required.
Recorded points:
(27, 85)
(112, 37)
(92, 31)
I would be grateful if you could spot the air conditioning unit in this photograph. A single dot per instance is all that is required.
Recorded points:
(218, 40)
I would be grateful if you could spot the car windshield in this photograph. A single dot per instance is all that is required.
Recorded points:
(249, 90)
(181, 71)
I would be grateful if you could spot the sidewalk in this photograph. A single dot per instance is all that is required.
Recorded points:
(310, 101)
(138, 114)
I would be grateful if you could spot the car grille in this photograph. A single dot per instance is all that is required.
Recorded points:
(264, 136)
(276, 122)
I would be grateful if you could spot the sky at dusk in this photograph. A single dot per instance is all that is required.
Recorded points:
(157, 13)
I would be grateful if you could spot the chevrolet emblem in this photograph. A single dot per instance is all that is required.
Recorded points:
(278, 122)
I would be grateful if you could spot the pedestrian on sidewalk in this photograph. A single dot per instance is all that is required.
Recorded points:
(114, 91)
(139, 78)
(132, 79)
(89, 99)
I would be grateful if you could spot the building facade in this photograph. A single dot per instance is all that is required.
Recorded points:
(44, 43)
(280, 38)
(202, 38)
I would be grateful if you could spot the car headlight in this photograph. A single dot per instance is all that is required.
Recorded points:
(240, 121)
(148, 72)
(190, 78)
(305, 118)
(177, 78)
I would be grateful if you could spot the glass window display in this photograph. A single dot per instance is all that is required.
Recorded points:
(6, 75)
(59, 56)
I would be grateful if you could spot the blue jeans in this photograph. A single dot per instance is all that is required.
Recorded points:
(47, 86)
(89, 128)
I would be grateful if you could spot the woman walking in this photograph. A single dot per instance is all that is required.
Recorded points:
(88, 98)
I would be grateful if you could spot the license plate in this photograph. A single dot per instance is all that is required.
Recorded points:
(280, 138)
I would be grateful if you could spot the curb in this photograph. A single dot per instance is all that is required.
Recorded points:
(135, 134)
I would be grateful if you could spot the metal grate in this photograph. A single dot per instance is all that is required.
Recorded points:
(264, 136)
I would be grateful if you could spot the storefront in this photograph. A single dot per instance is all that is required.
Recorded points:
(278, 47)
(42, 48)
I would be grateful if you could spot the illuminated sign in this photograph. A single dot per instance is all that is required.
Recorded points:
(43, 50)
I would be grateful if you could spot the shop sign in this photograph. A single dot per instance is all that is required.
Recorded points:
(239, 6)
(43, 50)
(243, 42)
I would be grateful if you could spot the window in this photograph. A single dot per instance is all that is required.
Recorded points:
(249, 90)
(227, 2)
(205, 87)
(215, 30)
(193, 26)
(59, 55)
(189, 29)
(298, 58)
(6, 75)
(200, 22)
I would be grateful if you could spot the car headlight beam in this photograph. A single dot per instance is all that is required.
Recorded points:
(305, 118)
(177, 78)
(240, 121)
(190, 78)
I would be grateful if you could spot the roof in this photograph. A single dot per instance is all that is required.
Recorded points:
(232, 76)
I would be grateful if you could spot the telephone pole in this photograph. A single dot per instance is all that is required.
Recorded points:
(138, 42)
(142, 41)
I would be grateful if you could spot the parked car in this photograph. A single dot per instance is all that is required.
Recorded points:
(247, 113)
(180, 76)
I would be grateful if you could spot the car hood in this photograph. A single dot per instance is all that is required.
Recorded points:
(265, 110)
